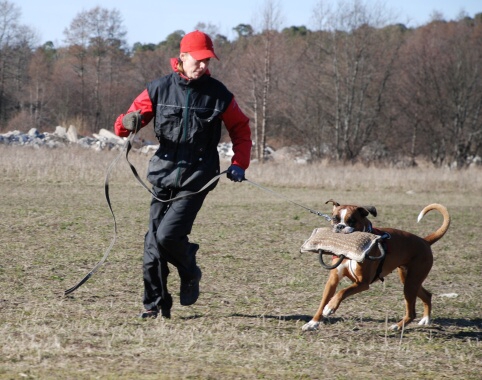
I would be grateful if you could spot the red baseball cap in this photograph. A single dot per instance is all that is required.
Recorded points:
(199, 45)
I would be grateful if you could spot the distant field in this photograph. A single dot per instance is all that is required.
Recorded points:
(256, 292)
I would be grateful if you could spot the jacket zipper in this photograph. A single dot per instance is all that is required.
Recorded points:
(184, 135)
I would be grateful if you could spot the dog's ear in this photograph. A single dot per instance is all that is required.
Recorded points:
(335, 203)
(364, 210)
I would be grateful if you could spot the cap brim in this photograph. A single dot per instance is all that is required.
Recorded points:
(203, 54)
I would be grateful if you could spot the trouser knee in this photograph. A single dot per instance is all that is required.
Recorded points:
(180, 253)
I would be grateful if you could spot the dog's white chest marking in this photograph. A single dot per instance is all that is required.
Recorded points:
(348, 264)
(352, 264)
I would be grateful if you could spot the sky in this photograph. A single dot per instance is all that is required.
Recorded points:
(151, 21)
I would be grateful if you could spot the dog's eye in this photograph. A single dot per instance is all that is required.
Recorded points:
(336, 219)
(350, 221)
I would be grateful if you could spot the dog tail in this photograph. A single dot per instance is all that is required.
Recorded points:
(435, 236)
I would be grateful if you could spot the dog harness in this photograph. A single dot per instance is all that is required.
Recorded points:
(383, 244)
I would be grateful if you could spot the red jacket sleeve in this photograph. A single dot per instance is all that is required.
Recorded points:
(237, 124)
(143, 103)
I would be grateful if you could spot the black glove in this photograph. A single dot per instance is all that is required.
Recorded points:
(235, 173)
(132, 121)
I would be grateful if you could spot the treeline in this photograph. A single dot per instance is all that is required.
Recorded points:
(357, 89)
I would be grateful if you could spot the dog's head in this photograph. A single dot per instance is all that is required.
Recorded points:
(348, 218)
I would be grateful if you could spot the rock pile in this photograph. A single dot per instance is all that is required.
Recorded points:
(62, 137)
(104, 140)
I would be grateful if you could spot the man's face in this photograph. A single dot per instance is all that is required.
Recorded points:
(193, 69)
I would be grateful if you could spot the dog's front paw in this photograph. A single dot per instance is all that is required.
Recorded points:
(395, 327)
(311, 326)
(425, 321)
(327, 311)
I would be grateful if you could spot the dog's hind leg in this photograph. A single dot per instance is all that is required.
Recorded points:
(412, 289)
(426, 298)
(409, 301)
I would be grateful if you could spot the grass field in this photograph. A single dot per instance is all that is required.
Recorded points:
(257, 290)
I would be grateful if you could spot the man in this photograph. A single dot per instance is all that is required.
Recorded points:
(188, 107)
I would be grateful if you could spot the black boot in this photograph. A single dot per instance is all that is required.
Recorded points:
(166, 305)
(189, 292)
(166, 301)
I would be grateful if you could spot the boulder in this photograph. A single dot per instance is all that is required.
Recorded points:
(72, 135)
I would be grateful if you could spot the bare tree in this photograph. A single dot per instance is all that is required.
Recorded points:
(95, 38)
(444, 90)
(210, 29)
(251, 75)
(40, 88)
(16, 42)
(270, 25)
(304, 97)
(362, 56)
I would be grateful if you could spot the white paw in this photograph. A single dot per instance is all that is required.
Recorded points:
(394, 327)
(425, 321)
(327, 311)
(311, 326)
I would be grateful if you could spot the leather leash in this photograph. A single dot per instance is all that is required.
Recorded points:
(327, 217)
(127, 147)
(107, 197)
(134, 171)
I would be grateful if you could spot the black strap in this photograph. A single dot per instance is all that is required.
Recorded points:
(380, 264)
(107, 197)
(127, 147)
(327, 217)
(134, 171)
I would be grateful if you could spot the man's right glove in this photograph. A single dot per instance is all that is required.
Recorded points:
(235, 173)
(132, 121)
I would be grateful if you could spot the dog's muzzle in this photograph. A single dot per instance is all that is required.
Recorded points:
(341, 228)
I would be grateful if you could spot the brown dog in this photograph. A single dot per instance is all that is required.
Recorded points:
(409, 253)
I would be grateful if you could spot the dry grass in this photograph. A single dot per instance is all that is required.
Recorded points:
(257, 290)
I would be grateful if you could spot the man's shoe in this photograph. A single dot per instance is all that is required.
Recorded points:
(190, 289)
(149, 314)
(166, 305)
(165, 309)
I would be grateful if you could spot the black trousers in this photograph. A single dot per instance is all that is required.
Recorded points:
(167, 241)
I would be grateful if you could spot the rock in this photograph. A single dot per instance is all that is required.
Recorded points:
(72, 135)
(33, 132)
(60, 131)
(449, 295)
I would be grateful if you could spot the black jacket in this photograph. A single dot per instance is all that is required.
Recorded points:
(188, 126)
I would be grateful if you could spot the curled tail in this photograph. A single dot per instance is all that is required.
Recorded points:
(435, 236)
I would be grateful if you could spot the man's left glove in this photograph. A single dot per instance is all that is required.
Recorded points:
(235, 173)
(132, 121)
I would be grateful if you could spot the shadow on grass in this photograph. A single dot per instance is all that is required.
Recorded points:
(297, 317)
(457, 328)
